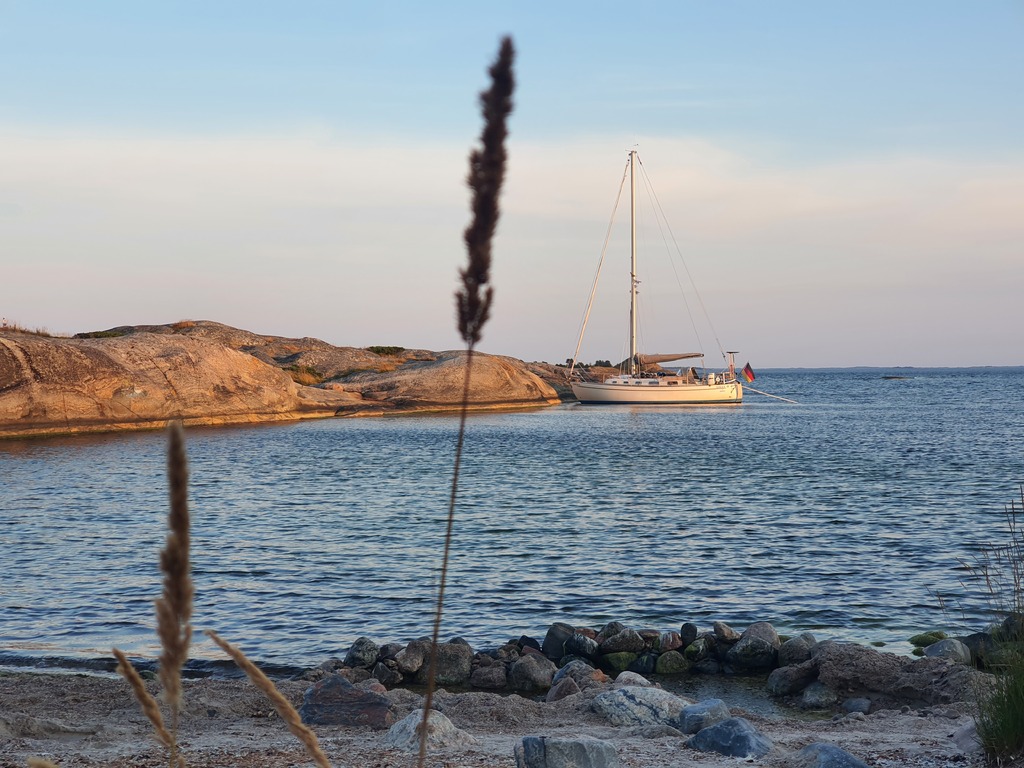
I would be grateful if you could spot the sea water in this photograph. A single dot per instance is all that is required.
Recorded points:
(849, 514)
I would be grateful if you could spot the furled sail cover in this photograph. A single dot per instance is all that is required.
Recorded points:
(651, 359)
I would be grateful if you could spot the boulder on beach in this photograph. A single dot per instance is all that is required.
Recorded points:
(640, 706)
(335, 701)
(734, 737)
(562, 752)
(441, 733)
(454, 665)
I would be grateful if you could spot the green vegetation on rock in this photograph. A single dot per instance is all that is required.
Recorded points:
(925, 639)
(304, 374)
(101, 334)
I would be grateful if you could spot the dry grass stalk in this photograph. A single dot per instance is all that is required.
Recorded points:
(281, 704)
(174, 607)
(149, 706)
(486, 175)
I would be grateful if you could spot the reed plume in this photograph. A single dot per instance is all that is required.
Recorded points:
(281, 704)
(486, 175)
(147, 703)
(473, 301)
(174, 607)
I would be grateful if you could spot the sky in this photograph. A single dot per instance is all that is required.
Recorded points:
(844, 181)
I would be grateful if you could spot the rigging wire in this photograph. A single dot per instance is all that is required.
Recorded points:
(679, 252)
(662, 223)
(600, 264)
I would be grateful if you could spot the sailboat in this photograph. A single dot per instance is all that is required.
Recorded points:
(640, 380)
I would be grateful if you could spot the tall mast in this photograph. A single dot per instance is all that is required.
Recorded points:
(632, 263)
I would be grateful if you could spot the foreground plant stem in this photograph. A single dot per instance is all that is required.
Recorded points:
(473, 302)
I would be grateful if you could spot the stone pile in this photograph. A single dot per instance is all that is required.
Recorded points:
(805, 672)
(631, 702)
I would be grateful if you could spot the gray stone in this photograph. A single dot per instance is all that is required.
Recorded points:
(639, 706)
(554, 752)
(626, 641)
(363, 653)
(857, 705)
(562, 689)
(967, 739)
(734, 737)
(454, 665)
(688, 633)
(387, 674)
(951, 649)
(825, 756)
(609, 629)
(670, 641)
(335, 701)
(628, 678)
(762, 630)
(644, 664)
(581, 645)
(671, 663)
(613, 663)
(490, 677)
(554, 641)
(697, 717)
(531, 673)
(752, 653)
(699, 649)
(389, 650)
(786, 681)
(757, 647)
(817, 695)
(982, 647)
(441, 734)
(724, 633)
(890, 680)
(585, 675)
(412, 657)
(1012, 629)
(796, 650)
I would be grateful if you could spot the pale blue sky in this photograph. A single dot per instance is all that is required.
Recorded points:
(846, 180)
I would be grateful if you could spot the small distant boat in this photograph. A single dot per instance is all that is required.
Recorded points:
(641, 380)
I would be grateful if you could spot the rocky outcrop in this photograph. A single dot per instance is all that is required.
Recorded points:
(57, 385)
(496, 382)
(140, 377)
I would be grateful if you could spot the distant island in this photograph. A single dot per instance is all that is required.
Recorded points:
(204, 373)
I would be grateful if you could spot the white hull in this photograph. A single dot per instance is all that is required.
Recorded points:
(667, 390)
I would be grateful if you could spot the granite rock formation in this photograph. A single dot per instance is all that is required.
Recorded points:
(140, 377)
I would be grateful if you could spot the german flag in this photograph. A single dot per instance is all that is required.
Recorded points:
(748, 373)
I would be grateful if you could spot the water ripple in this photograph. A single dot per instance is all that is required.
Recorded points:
(846, 515)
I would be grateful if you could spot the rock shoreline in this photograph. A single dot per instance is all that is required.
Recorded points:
(613, 672)
(568, 700)
(205, 373)
(801, 671)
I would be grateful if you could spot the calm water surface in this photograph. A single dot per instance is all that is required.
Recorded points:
(845, 515)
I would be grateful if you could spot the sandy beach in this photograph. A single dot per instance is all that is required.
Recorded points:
(78, 720)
